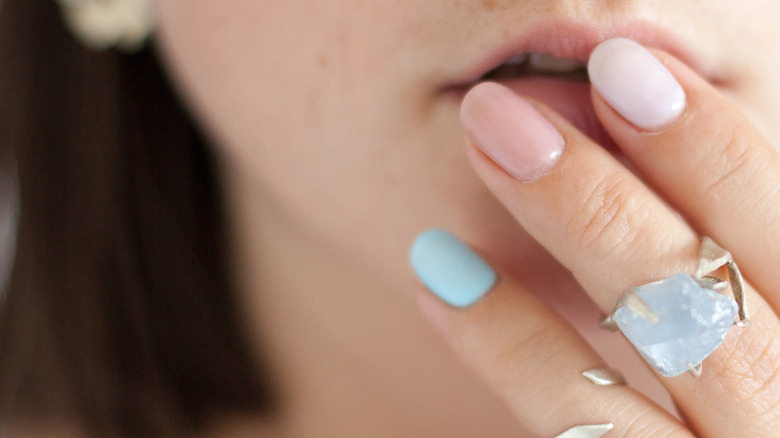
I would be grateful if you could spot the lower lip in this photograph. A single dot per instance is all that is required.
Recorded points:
(569, 98)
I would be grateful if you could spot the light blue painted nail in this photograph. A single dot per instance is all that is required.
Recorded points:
(449, 268)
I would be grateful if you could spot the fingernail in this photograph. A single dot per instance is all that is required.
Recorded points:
(510, 131)
(449, 268)
(635, 84)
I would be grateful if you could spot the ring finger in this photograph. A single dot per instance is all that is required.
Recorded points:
(524, 351)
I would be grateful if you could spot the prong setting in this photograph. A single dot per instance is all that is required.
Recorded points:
(695, 370)
(677, 301)
(587, 431)
(633, 302)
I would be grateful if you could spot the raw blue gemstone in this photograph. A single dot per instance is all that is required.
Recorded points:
(692, 323)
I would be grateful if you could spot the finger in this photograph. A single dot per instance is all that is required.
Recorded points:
(709, 162)
(613, 232)
(523, 349)
(575, 199)
(715, 168)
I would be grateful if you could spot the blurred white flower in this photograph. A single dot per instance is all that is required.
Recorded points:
(101, 24)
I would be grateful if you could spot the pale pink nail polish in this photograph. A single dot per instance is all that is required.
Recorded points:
(635, 84)
(511, 131)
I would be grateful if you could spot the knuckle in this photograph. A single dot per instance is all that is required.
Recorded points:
(610, 216)
(648, 424)
(520, 359)
(736, 160)
(632, 416)
(747, 366)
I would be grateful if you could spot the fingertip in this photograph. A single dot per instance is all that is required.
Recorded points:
(511, 131)
(449, 269)
(636, 84)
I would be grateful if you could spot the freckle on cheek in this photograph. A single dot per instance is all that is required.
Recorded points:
(323, 61)
(495, 5)
(489, 5)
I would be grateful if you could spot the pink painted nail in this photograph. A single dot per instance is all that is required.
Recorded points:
(635, 84)
(510, 131)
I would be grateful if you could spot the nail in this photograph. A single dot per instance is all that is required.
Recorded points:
(635, 84)
(450, 269)
(510, 131)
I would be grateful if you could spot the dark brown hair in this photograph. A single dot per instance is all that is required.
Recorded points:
(119, 316)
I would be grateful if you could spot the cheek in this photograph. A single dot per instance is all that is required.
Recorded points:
(261, 74)
(325, 112)
(297, 94)
(247, 67)
(271, 80)
(750, 43)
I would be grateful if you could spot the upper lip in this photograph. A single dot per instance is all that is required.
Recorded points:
(573, 40)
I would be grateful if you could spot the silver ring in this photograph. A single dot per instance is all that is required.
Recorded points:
(677, 322)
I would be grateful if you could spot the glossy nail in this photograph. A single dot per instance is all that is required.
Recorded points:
(450, 269)
(510, 131)
(635, 84)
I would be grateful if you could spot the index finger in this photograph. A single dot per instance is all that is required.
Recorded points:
(710, 162)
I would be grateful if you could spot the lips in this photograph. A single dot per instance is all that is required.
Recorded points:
(573, 42)
(546, 61)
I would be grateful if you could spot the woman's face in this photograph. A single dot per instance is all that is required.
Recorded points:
(345, 113)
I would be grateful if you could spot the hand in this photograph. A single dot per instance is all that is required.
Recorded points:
(693, 151)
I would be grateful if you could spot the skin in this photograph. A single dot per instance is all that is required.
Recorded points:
(338, 147)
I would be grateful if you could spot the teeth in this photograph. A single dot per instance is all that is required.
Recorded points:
(538, 64)
(517, 59)
(541, 62)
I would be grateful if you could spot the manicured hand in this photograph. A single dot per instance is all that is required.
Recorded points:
(702, 169)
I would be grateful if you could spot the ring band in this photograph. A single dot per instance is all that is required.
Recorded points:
(586, 431)
(677, 322)
(604, 376)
